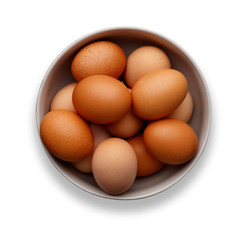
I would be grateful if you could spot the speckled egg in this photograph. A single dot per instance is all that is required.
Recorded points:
(99, 58)
(66, 135)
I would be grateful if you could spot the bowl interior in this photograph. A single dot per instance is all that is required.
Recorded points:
(59, 75)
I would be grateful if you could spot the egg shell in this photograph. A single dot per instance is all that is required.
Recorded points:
(100, 134)
(66, 135)
(158, 93)
(63, 98)
(97, 58)
(171, 141)
(143, 60)
(101, 99)
(127, 126)
(147, 163)
(184, 111)
(114, 165)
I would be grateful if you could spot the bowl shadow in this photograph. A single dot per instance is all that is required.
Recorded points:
(114, 205)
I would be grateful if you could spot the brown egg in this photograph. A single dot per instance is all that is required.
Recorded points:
(66, 135)
(100, 134)
(127, 126)
(99, 58)
(101, 99)
(144, 60)
(114, 165)
(158, 93)
(147, 163)
(184, 111)
(171, 141)
(63, 98)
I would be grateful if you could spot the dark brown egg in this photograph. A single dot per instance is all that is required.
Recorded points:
(101, 99)
(127, 126)
(158, 93)
(66, 135)
(147, 163)
(171, 141)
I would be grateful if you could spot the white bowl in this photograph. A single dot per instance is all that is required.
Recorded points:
(59, 74)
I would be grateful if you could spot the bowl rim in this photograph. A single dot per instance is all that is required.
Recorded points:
(203, 81)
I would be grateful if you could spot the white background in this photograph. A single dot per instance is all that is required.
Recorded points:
(37, 202)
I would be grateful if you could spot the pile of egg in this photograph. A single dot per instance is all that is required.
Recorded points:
(119, 130)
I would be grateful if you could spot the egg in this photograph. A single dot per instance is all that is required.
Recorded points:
(101, 99)
(147, 163)
(63, 98)
(143, 60)
(100, 134)
(171, 141)
(158, 93)
(66, 135)
(114, 165)
(184, 111)
(99, 58)
(127, 126)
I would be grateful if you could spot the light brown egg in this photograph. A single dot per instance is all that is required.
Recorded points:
(99, 58)
(147, 163)
(184, 111)
(66, 135)
(127, 126)
(158, 93)
(63, 98)
(171, 141)
(144, 60)
(101, 99)
(100, 134)
(114, 165)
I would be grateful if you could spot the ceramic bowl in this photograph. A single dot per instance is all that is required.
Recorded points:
(59, 74)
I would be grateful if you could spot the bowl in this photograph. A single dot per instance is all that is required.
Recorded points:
(59, 75)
